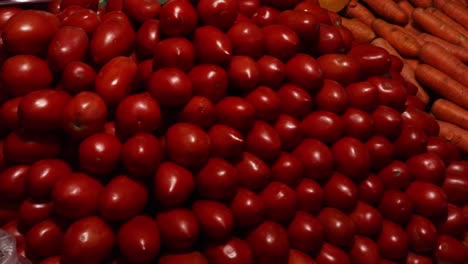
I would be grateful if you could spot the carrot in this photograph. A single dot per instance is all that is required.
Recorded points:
(434, 55)
(360, 12)
(412, 63)
(438, 28)
(408, 74)
(457, 51)
(406, 7)
(447, 20)
(389, 10)
(421, 3)
(442, 84)
(402, 41)
(454, 134)
(362, 33)
(449, 112)
(333, 5)
(455, 10)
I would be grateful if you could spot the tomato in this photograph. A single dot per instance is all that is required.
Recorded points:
(77, 77)
(265, 16)
(280, 202)
(309, 196)
(450, 249)
(217, 180)
(215, 219)
(313, 7)
(372, 60)
(429, 200)
(253, 172)
(147, 36)
(247, 208)
(22, 74)
(12, 181)
(235, 112)
(44, 240)
(247, 7)
(193, 257)
(380, 150)
(415, 102)
(455, 187)
(141, 155)
(427, 167)
(305, 232)
(304, 71)
(8, 212)
(68, 44)
(272, 71)
(178, 17)
(317, 159)
(412, 141)
(178, 228)
(330, 254)
(116, 79)
(112, 38)
(457, 167)
(287, 169)
(91, 4)
(32, 212)
(12, 228)
(263, 141)
(225, 141)
(418, 118)
(233, 251)
(221, 14)
(141, 10)
(51, 260)
(269, 243)
(138, 239)
(364, 250)
(339, 229)
(243, 73)
(247, 39)
(84, 115)
(362, 95)
(371, 189)
(391, 92)
(209, 80)
(396, 206)
(266, 103)
(97, 246)
(42, 110)
(329, 40)
(9, 113)
(366, 219)
(358, 124)
(342, 68)
(346, 35)
(323, 125)
(6, 13)
(86, 19)
(172, 184)
(294, 100)
(289, 130)
(387, 122)
(27, 147)
(99, 154)
(281, 42)
(29, 32)
(170, 87)
(453, 222)
(351, 157)
(340, 192)
(392, 241)
(440, 147)
(331, 97)
(211, 45)
(395, 175)
(305, 24)
(417, 259)
(174, 52)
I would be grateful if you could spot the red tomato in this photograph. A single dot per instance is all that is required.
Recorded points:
(29, 32)
(309, 196)
(453, 222)
(97, 246)
(8, 213)
(358, 124)
(215, 219)
(84, 115)
(263, 141)
(193, 257)
(331, 97)
(305, 233)
(99, 154)
(387, 122)
(340, 192)
(112, 38)
(287, 169)
(455, 187)
(6, 13)
(429, 200)
(176, 52)
(281, 42)
(147, 36)
(395, 175)
(76, 196)
(179, 228)
(269, 243)
(450, 249)
(412, 141)
(372, 60)
(68, 44)
(427, 167)
(141, 155)
(114, 15)
(272, 71)
(22, 74)
(9, 113)
(371, 189)
(44, 239)
(457, 167)
(392, 241)
(91, 4)
(247, 7)
(170, 87)
(265, 16)
(247, 208)
(323, 125)
(338, 228)
(12, 179)
(172, 184)
(31, 212)
(86, 19)
(280, 202)
(294, 100)
(225, 141)
(380, 150)
(367, 219)
(364, 250)
(235, 112)
(211, 45)
(141, 10)
(243, 73)
(178, 17)
(42, 110)
(313, 7)
(305, 24)
(51, 260)
(266, 102)
(330, 254)
(77, 77)
(329, 40)
(342, 68)
(217, 180)
(363, 95)
(253, 172)
(396, 206)
(221, 14)
(116, 79)
(418, 259)
(289, 130)
(187, 145)
(440, 147)
(304, 71)
(233, 251)
(391, 92)
(317, 159)
(351, 157)
(208, 80)
(138, 239)
(246, 39)
(12, 228)
(418, 118)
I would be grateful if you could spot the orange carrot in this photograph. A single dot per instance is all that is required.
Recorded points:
(362, 33)
(402, 41)
(457, 51)
(449, 112)
(389, 10)
(455, 10)
(410, 26)
(438, 28)
(412, 63)
(442, 84)
(447, 20)
(434, 55)
(360, 12)
(406, 7)
(421, 3)
(454, 134)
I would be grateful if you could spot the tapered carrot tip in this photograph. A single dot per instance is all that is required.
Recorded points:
(334, 5)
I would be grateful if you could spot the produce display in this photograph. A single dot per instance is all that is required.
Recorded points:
(231, 132)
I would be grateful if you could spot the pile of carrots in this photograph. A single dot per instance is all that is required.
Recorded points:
(431, 37)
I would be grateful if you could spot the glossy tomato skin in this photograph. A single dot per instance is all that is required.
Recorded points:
(147, 36)
(272, 71)
(138, 239)
(98, 245)
(413, 258)
(246, 39)
(364, 250)
(112, 38)
(440, 147)
(233, 251)
(76, 196)
(68, 44)
(422, 234)
(171, 87)
(178, 18)
(396, 206)
(209, 80)
(372, 60)
(211, 45)
(367, 219)
(338, 228)
(247, 7)
(29, 32)
(342, 68)
(266, 102)
(42, 110)
(287, 169)
(263, 141)
(289, 130)
(392, 241)
(280, 41)
(220, 14)
(78, 76)
(351, 158)
(141, 155)
(265, 15)
(358, 124)
(31, 212)
(215, 219)
(427, 167)
(429, 200)
(174, 52)
(452, 222)
(340, 192)
(418, 118)
(12, 179)
(43, 175)
(323, 125)
(252, 171)
(391, 92)
(331, 97)
(305, 233)
(330, 254)
(141, 10)
(247, 208)
(304, 71)
(243, 73)
(317, 159)
(387, 122)
(179, 228)
(305, 24)
(6, 13)
(86, 19)
(330, 40)
(235, 112)
(363, 95)
(269, 243)
(450, 249)
(217, 180)
(194, 257)
(45, 239)
(226, 142)
(309, 195)
(294, 100)
(99, 154)
(280, 202)
(395, 175)
(380, 150)
(9, 113)
(173, 184)
(455, 186)
(22, 74)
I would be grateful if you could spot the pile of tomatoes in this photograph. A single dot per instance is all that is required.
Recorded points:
(221, 132)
